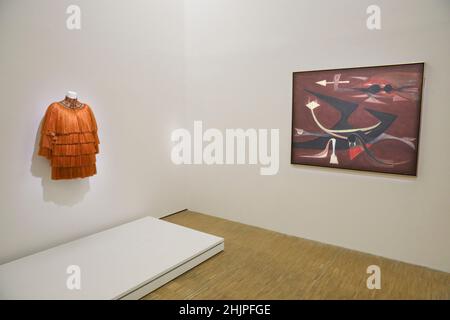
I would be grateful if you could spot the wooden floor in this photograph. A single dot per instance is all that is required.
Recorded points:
(262, 264)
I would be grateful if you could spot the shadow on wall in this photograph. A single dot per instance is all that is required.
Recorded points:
(61, 192)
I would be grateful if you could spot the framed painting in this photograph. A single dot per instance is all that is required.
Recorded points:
(365, 118)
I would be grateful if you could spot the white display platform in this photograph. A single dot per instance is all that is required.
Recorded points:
(125, 262)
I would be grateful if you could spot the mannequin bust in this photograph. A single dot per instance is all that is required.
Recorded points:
(71, 100)
(71, 95)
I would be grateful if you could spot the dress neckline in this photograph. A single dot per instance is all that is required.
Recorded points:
(69, 108)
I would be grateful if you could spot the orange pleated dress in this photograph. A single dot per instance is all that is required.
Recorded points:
(70, 141)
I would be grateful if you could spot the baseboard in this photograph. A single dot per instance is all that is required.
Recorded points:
(174, 213)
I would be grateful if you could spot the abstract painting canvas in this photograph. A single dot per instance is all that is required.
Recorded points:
(365, 118)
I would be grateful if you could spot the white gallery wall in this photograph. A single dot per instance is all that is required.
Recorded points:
(127, 62)
(240, 59)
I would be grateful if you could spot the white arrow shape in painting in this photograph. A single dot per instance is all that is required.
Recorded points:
(325, 82)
